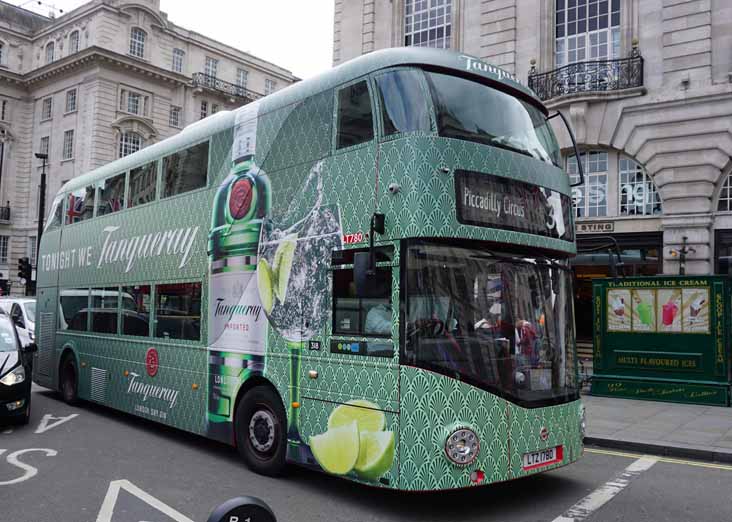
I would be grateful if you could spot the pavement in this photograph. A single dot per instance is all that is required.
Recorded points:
(93, 464)
(660, 428)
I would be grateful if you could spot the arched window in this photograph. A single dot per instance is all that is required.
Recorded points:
(49, 52)
(129, 142)
(638, 195)
(725, 195)
(178, 56)
(74, 42)
(590, 199)
(137, 42)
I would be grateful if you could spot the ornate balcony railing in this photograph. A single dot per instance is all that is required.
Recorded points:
(588, 77)
(211, 82)
(5, 212)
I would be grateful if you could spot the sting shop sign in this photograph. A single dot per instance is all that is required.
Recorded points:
(485, 200)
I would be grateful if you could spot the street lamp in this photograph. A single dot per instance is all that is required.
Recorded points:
(41, 202)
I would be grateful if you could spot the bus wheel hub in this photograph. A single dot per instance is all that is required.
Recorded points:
(262, 431)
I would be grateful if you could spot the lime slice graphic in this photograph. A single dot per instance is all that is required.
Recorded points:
(365, 413)
(336, 450)
(376, 454)
(264, 282)
(282, 265)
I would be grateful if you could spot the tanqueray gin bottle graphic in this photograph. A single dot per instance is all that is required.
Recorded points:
(237, 325)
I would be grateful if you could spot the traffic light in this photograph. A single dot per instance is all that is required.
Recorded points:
(24, 268)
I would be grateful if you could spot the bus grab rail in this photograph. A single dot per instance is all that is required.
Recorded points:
(580, 169)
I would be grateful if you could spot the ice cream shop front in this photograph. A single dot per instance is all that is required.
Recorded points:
(664, 338)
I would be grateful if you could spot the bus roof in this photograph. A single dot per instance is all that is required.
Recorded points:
(462, 64)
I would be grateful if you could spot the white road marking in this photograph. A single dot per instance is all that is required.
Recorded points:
(8, 431)
(44, 425)
(605, 493)
(30, 471)
(110, 499)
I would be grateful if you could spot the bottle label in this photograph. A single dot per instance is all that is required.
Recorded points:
(237, 322)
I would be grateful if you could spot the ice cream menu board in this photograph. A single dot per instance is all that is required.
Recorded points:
(658, 310)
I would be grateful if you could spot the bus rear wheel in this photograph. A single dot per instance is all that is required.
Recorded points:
(69, 381)
(260, 428)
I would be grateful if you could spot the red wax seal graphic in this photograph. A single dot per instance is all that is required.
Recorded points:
(152, 361)
(240, 198)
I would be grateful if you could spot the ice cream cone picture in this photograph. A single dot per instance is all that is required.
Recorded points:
(695, 310)
(618, 310)
(644, 306)
(669, 310)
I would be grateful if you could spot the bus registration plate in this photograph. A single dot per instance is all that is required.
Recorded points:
(545, 457)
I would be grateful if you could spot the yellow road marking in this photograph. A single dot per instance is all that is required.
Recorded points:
(725, 467)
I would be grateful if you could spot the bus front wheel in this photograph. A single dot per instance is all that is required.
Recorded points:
(261, 426)
(69, 381)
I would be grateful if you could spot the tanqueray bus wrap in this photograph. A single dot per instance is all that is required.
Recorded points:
(366, 273)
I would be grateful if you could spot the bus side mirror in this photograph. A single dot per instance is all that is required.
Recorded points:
(580, 168)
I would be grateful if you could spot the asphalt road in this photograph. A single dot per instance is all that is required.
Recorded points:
(103, 466)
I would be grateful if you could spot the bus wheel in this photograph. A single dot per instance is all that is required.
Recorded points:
(69, 381)
(260, 429)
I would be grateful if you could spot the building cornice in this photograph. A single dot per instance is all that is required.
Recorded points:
(89, 56)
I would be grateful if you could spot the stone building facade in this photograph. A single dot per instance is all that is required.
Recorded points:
(95, 84)
(647, 86)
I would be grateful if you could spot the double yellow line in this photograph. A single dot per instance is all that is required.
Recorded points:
(699, 464)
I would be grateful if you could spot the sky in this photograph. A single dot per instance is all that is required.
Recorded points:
(294, 34)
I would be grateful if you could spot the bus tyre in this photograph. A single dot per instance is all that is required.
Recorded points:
(260, 428)
(69, 381)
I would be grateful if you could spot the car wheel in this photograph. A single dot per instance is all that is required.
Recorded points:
(69, 380)
(260, 429)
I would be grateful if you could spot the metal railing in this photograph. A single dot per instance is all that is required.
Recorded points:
(588, 77)
(216, 84)
(5, 212)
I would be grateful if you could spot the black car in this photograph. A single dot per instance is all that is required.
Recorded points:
(16, 362)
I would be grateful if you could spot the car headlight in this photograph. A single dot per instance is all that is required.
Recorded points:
(462, 446)
(14, 377)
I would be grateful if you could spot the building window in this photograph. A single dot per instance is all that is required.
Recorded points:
(129, 142)
(242, 76)
(214, 108)
(49, 52)
(428, 23)
(587, 30)
(4, 111)
(4, 250)
(137, 42)
(32, 244)
(638, 195)
(71, 100)
(178, 55)
(204, 109)
(68, 150)
(725, 196)
(2, 53)
(174, 119)
(590, 200)
(74, 42)
(269, 86)
(46, 109)
(133, 103)
(45, 141)
(211, 67)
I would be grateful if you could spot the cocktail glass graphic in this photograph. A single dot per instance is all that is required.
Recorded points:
(293, 285)
(645, 313)
(669, 311)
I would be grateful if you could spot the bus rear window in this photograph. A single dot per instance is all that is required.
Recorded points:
(185, 170)
(178, 311)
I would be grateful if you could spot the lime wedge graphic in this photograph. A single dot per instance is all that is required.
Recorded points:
(282, 265)
(336, 450)
(376, 454)
(365, 413)
(264, 282)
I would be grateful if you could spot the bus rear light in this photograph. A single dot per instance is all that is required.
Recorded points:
(477, 476)
(462, 447)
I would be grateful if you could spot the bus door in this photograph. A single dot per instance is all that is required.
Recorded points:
(350, 372)
(47, 299)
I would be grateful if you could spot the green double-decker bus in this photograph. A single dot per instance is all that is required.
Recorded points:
(364, 273)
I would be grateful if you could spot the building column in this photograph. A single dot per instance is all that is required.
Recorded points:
(697, 228)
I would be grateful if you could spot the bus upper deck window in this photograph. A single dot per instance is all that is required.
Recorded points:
(143, 181)
(185, 170)
(80, 205)
(57, 210)
(355, 121)
(403, 105)
(111, 195)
